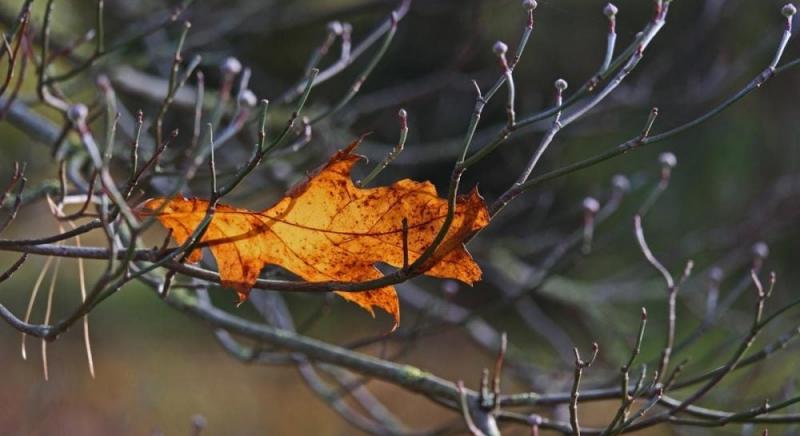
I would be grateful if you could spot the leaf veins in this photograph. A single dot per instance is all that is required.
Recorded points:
(328, 229)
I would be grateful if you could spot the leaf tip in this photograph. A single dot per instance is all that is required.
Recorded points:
(353, 145)
(241, 295)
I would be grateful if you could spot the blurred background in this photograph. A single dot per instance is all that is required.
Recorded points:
(737, 183)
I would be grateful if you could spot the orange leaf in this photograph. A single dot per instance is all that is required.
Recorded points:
(327, 229)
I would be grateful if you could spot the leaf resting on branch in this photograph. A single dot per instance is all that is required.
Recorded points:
(327, 229)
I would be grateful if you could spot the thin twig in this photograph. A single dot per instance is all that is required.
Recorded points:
(580, 365)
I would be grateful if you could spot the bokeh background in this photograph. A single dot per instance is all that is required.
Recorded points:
(737, 182)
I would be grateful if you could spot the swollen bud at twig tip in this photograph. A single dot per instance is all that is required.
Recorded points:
(761, 250)
(248, 98)
(500, 48)
(591, 205)
(77, 113)
(644, 313)
(610, 10)
(788, 10)
(621, 183)
(529, 5)
(335, 27)
(534, 420)
(450, 287)
(199, 422)
(716, 274)
(402, 113)
(103, 83)
(561, 85)
(667, 159)
(231, 66)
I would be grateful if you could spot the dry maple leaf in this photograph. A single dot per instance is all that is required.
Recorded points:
(328, 229)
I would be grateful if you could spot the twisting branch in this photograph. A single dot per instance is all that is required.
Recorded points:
(672, 294)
